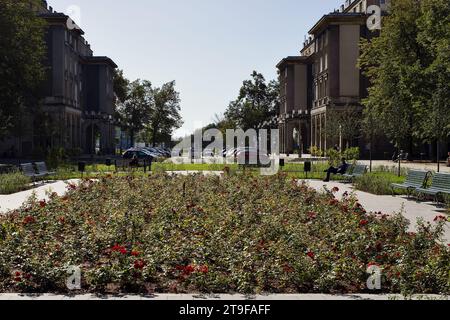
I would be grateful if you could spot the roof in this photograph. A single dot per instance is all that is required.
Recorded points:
(291, 59)
(338, 17)
(100, 60)
(58, 17)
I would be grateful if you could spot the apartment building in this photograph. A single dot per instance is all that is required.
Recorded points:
(77, 96)
(325, 77)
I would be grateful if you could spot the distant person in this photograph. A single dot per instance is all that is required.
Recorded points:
(342, 169)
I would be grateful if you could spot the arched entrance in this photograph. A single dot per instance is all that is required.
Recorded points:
(93, 138)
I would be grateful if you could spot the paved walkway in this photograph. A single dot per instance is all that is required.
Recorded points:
(222, 297)
(411, 209)
(15, 201)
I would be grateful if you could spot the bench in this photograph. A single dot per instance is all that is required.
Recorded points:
(439, 186)
(29, 171)
(358, 171)
(416, 179)
(42, 169)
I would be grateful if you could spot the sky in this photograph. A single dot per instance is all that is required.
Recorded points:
(209, 47)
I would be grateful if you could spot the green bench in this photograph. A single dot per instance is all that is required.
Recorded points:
(439, 187)
(358, 171)
(415, 180)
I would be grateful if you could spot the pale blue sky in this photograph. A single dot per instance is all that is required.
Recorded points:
(208, 46)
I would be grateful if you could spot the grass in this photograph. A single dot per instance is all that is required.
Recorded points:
(13, 182)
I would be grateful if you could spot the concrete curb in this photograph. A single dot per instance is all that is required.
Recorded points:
(219, 297)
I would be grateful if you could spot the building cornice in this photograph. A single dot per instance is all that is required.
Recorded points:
(292, 60)
(338, 18)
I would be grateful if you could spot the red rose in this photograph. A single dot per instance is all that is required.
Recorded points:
(311, 255)
(42, 203)
(440, 218)
(203, 269)
(135, 253)
(28, 220)
(335, 189)
(189, 269)
(120, 249)
(363, 223)
(139, 264)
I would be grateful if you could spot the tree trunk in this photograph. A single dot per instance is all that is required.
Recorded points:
(155, 129)
(132, 138)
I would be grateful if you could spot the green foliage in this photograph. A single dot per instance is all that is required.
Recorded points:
(257, 102)
(13, 182)
(22, 50)
(153, 113)
(377, 183)
(409, 70)
(350, 154)
(56, 157)
(345, 124)
(315, 151)
(169, 232)
(165, 114)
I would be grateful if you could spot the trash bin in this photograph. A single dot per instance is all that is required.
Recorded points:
(308, 166)
(81, 166)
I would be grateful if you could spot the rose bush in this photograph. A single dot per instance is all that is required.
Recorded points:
(237, 233)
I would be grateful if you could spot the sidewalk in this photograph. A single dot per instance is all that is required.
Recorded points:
(410, 208)
(15, 201)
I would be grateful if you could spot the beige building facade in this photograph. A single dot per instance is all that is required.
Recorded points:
(325, 77)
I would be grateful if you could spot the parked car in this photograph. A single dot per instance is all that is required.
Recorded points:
(141, 154)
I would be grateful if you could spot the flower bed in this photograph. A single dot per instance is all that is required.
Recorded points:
(194, 234)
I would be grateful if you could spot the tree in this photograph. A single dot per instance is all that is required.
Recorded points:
(392, 63)
(344, 124)
(22, 50)
(409, 70)
(370, 128)
(434, 36)
(121, 85)
(164, 114)
(133, 113)
(257, 102)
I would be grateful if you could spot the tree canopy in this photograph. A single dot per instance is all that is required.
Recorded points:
(257, 102)
(22, 52)
(408, 66)
(153, 113)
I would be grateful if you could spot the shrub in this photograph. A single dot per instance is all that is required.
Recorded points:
(13, 182)
(352, 154)
(316, 151)
(377, 183)
(238, 233)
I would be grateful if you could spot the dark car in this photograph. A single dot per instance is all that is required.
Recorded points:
(141, 154)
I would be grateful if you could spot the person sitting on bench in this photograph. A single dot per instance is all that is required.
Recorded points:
(340, 170)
